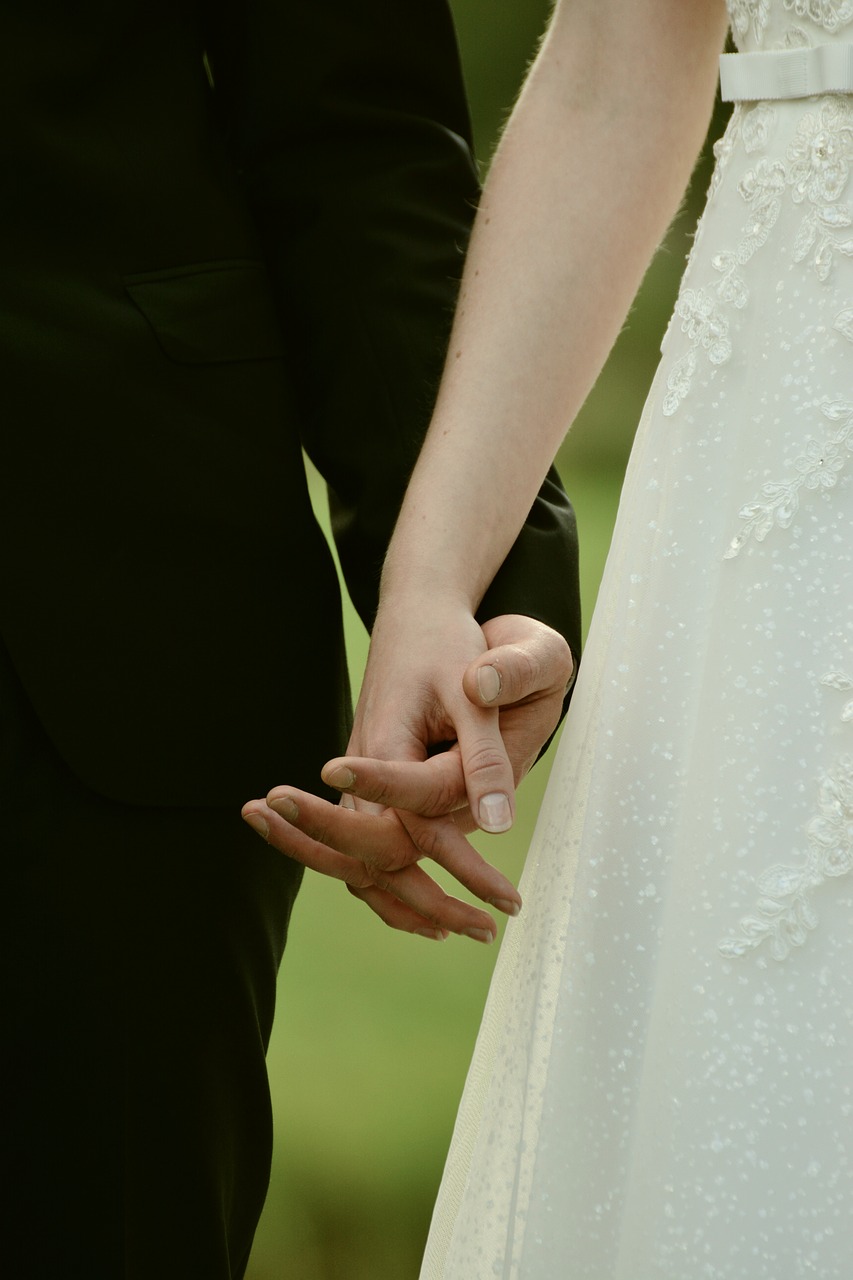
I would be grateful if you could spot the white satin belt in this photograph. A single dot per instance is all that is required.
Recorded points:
(786, 73)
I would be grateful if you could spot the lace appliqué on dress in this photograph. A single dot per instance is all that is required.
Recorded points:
(723, 149)
(762, 189)
(702, 320)
(757, 126)
(829, 14)
(816, 173)
(817, 468)
(820, 167)
(707, 327)
(744, 12)
(838, 680)
(784, 913)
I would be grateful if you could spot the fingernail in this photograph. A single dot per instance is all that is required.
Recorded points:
(285, 808)
(437, 935)
(495, 813)
(489, 683)
(479, 935)
(507, 905)
(257, 823)
(340, 777)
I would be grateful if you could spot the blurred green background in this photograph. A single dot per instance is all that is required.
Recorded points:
(374, 1029)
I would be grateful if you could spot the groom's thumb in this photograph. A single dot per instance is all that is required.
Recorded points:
(532, 666)
(489, 781)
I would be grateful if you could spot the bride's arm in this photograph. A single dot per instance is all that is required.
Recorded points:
(590, 171)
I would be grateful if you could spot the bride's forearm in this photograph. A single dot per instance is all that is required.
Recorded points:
(590, 171)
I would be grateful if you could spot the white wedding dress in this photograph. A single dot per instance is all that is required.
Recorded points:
(662, 1088)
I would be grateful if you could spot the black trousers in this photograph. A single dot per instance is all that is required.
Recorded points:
(141, 951)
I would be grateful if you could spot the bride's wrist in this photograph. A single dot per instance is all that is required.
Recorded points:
(422, 590)
(412, 578)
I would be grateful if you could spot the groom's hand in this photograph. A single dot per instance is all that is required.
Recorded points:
(396, 812)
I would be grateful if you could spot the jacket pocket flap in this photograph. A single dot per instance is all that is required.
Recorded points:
(209, 313)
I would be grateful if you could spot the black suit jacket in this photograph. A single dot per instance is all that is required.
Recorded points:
(230, 230)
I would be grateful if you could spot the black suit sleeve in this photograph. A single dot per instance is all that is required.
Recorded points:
(349, 126)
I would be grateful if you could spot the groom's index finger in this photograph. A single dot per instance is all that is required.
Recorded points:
(432, 787)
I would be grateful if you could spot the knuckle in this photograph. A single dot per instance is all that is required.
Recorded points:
(378, 790)
(429, 838)
(384, 882)
(387, 857)
(559, 663)
(524, 673)
(533, 671)
(483, 757)
(566, 661)
(320, 828)
(358, 878)
(376, 863)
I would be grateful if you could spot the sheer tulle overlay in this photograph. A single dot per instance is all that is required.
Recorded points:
(662, 1088)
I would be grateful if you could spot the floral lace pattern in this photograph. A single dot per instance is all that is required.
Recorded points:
(817, 467)
(816, 175)
(723, 149)
(838, 680)
(784, 912)
(757, 127)
(746, 12)
(762, 189)
(707, 327)
(820, 167)
(762, 192)
(829, 14)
